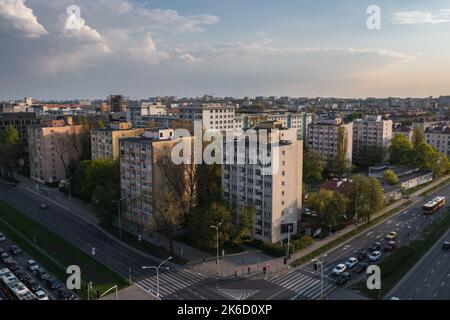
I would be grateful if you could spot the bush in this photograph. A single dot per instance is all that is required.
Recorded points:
(274, 249)
(301, 243)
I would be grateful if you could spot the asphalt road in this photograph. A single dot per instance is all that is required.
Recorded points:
(429, 279)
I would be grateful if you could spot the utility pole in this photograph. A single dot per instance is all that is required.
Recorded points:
(217, 245)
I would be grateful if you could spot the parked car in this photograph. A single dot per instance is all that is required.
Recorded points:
(23, 276)
(52, 283)
(2, 237)
(361, 255)
(4, 256)
(391, 235)
(42, 274)
(446, 245)
(351, 262)
(343, 278)
(43, 206)
(15, 250)
(360, 267)
(306, 212)
(32, 265)
(375, 256)
(41, 295)
(390, 246)
(65, 294)
(33, 285)
(340, 268)
(375, 246)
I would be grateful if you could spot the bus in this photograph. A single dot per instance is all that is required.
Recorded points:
(12, 288)
(434, 205)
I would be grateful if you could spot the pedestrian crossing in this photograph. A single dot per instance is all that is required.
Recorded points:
(302, 284)
(170, 282)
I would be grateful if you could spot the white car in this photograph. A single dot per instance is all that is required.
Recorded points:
(32, 265)
(340, 268)
(351, 262)
(2, 237)
(307, 212)
(374, 256)
(41, 295)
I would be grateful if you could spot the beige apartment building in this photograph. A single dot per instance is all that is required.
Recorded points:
(214, 116)
(371, 134)
(439, 137)
(323, 137)
(277, 196)
(140, 173)
(105, 141)
(52, 147)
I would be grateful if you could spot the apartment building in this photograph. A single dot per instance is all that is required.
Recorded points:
(299, 121)
(439, 137)
(323, 137)
(215, 116)
(277, 196)
(20, 121)
(371, 134)
(403, 130)
(117, 103)
(51, 149)
(105, 141)
(140, 174)
(137, 110)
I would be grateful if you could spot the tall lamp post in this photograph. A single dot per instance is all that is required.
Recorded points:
(289, 224)
(321, 262)
(217, 244)
(157, 273)
(119, 202)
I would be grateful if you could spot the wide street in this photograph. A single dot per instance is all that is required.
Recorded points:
(179, 283)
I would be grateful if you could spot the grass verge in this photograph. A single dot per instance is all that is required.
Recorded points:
(54, 253)
(435, 188)
(395, 266)
(347, 236)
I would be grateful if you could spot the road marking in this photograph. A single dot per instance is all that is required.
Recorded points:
(426, 279)
(418, 289)
(435, 294)
(442, 284)
(432, 271)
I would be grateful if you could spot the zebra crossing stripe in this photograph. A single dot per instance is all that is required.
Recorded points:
(290, 278)
(303, 282)
(325, 289)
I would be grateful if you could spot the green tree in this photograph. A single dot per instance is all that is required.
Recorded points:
(418, 137)
(430, 158)
(313, 166)
(401, 150)
(341, 165)
(390, 177)
(375, 198)
(323, 203)
(10, 149)
(243, 220)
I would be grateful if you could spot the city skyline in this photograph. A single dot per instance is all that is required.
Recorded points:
(287, 48)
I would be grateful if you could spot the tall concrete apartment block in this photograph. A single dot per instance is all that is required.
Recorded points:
(51, 149)
(323, 137)
(277, 197)
(215, 116)
(140, 173)
(105, 141)
(117, 103)
(371, 134)
(439, 137)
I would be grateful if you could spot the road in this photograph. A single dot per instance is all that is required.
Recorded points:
(429, 279)
(304, 283)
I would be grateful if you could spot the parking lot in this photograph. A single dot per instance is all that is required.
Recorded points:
(32, 275)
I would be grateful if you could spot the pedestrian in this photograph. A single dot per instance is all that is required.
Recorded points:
(235, 273)
(248, 270)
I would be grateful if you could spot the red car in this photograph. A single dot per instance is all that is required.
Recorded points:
(390, 246)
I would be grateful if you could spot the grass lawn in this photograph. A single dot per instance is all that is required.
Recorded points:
(54, 253)
(395, 266)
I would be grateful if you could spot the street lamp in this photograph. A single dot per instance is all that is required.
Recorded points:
(157, 273)
(217, 244)
(321, 276)
(289, 224)
(118, 202)
(67, 181)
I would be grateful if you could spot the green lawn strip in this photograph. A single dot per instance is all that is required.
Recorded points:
(54, 253)
(347, 236)
(435, 188)
(143, 246)
(395, 266)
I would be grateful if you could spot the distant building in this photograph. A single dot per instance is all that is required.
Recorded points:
(117, 103)
(371, 135)
(51, 150)
(137, 110)
(277, 197)
(323, 137)
(20, 121)
(439, 137)
(403, 130)
(214, 116)
(105, 141)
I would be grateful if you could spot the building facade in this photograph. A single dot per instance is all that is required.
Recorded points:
(277, 197)
(20, 121)
(439, 137)
(214, 116)
(117, 103)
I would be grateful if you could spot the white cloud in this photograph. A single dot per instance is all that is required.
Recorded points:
(189, 58)
(15, 15)
(422, 17)
(147, 52)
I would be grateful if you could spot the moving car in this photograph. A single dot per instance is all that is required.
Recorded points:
(15, 250)
(374, 256)
(360, 267)
(391, 235)
(351, 262)
(2, 237)
(42, 274)
(41, 295)
(32, 265)
(343, 278)
(361, 255)
(43, 206)
(390, 246)
(446, 245)
(340, 268)
(375, 246)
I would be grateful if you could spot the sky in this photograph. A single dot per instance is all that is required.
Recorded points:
(304, 48)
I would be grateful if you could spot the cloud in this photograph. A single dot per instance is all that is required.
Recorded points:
(422, 17)
(16, 16)
(189, 58)
(147, 52)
